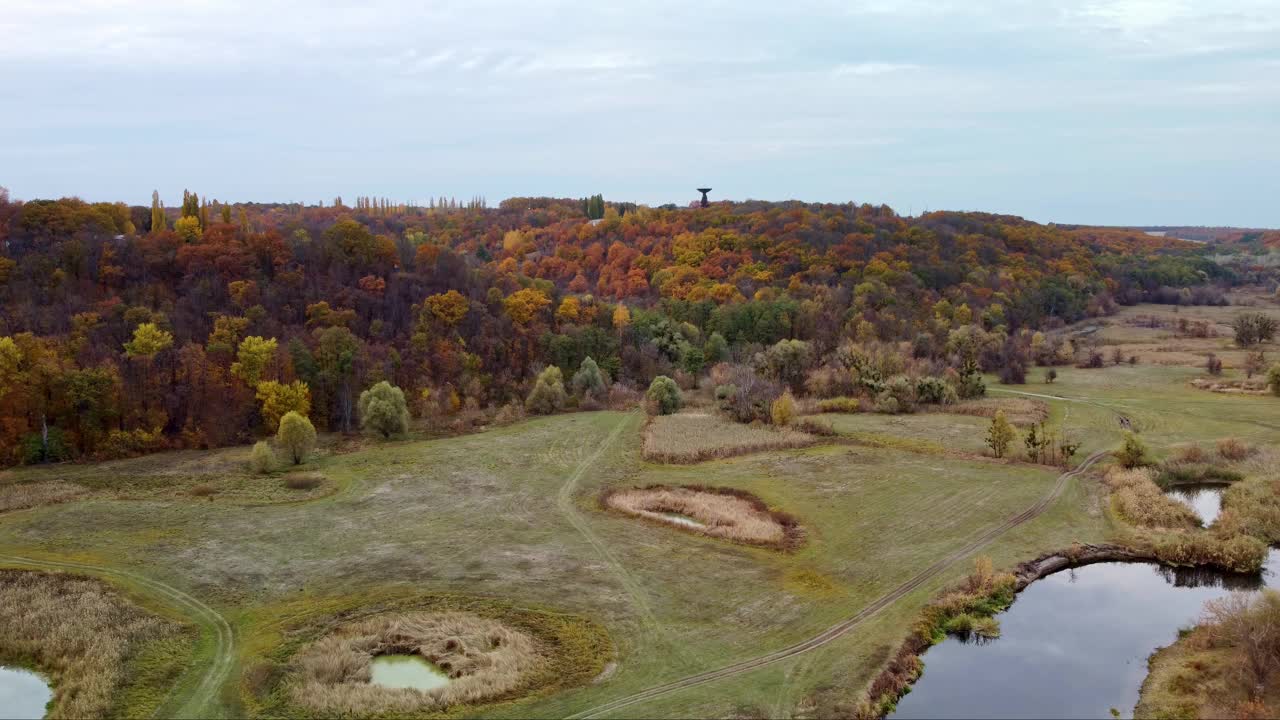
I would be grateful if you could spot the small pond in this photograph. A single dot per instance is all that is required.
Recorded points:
(1074, 644)
(1204, 498)
(679, 519)
(406, 671)
(23, 694)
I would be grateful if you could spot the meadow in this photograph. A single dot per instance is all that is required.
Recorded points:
(507, 524)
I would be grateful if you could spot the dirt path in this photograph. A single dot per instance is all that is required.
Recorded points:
(835, 631)
(633, 588)
(201, 700)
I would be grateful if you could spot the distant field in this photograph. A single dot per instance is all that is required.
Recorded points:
(702, 435)
(1131, 329)
(511, 516)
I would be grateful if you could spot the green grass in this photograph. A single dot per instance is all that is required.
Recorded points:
(478, 517)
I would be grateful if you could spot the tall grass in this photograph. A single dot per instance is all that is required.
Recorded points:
(483, 658)
(47, 492)
(78, 632)
(726, 513)
(694, 437)
(1138, 499)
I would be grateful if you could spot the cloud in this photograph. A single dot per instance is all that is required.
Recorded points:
(869, 69)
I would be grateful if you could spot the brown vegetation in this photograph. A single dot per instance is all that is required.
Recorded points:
(81, 634)
(1022, 412)
(1136, 497)
(719, 512)
(48, 492)
(483, 658)
(694, 437)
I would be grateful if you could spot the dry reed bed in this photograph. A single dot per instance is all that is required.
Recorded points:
(1023, 412)
(77, 631)
(484, 659)
(28, 495)
(694, 437)
(726, 513)
(1138, 499)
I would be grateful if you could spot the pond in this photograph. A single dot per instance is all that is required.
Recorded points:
(406, 671)
(1204, 498)
(679, 519)
(23, 694)
(1074, 644)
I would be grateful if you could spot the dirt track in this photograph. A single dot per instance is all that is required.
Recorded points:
(867, 612)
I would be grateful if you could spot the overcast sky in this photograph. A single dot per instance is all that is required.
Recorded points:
(1101, 111)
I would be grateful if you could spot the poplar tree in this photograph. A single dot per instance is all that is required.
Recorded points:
(158, 220)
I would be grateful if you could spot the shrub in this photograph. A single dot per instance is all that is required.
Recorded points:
(1233, 449)
(1050, 375)
(903, 391)
(589, 381)
(1213, 364)
(622, 397)
(1273, 379)
(746, 396)
(296, 435)
(509, 413)
(887, 404)
(783, 410)
(548, 395)
(935, 391)
(302, 481)
(1133, 453)
(787, 362)
(51, 447)
(1253, 328)
(383, 410)
(202, 490)
(664, 395)
(1136, 497)
(1192, 454)
(970, 383)
(261, 458)
(840, 405)
(814, 426)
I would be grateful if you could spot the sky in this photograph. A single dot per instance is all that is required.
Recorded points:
(1115, 112)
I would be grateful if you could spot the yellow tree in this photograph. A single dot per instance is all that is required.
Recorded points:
(449, 308)
(524, 305)
(621, 317)
(569, 310)
(252, 359)
(279, 399)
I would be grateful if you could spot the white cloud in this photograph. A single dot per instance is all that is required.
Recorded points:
(868, 69)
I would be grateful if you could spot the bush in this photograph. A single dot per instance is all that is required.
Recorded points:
(887, 404)
(1273, 379)
(1050, 375)
(1133, 453)
(383, 410)
(302, 481)
(548, 395)
(36, 449)
(840, 405)
(783, 410)
(1000, 434)
(261, 458)
(1233, 449)
(746, 396)
(935, 391)
(664, 396)
(296, 435)
(1253, 328)
(1213, 364)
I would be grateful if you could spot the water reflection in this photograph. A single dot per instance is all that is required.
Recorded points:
(1204, 498)
(23, 694)
(1074, 644)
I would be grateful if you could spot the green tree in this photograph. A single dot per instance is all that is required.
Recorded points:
(252, 358)
(716, 350)
(1000, 434)
(788, 360)
(1273, 379)
(148, 340)
(383, 410)
(548, 393)
(664, 395)
(589, 381)
(1133, 453)
(296, 435)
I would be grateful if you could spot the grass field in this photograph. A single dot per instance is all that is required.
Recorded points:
(511, 516)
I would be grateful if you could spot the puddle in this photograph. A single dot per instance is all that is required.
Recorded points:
(406, 671)
(679, 519)
(1204, 498)
(23, 694)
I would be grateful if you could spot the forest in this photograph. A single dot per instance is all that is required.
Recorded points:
(129, 329)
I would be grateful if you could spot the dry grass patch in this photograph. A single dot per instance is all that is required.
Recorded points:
(719, 512)
(83, 635)
(694, 437)
(1019, 411)
(1138, 499)
(484, 659)
(48, 492)
(1242, 386)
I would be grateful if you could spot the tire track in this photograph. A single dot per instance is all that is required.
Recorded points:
(839, 629)
(202, 701)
